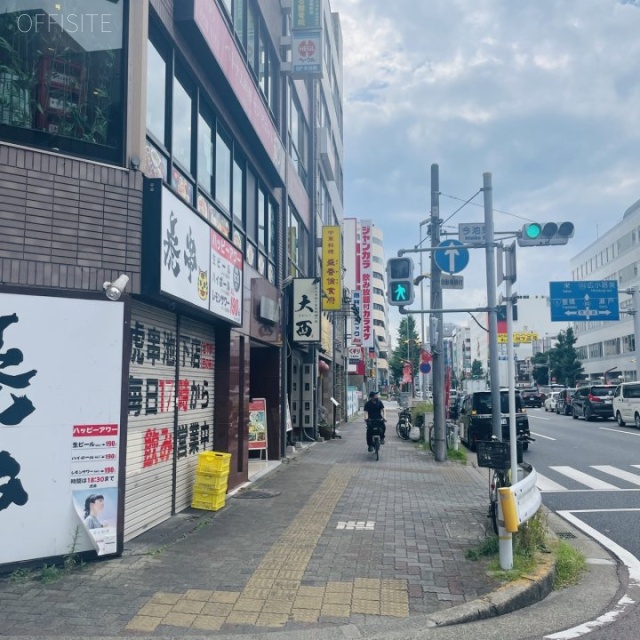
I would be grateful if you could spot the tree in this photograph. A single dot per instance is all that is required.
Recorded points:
(560, 362)
(476, 369)
(407, 348)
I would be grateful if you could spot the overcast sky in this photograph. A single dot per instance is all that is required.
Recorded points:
(543, 94)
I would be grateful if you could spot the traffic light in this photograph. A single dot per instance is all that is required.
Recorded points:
(400, 281)
(536, 234)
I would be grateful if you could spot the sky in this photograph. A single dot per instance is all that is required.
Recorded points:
(542, 94)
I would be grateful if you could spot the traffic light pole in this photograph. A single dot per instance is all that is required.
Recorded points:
(436, 328)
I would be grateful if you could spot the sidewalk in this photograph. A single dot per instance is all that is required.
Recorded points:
(331, 540)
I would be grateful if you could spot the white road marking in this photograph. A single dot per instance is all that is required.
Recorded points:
(626, 433)
(629, 560)
(539, 435)
(584, 478)
(357, 525)
(545, 484)
(619, 473)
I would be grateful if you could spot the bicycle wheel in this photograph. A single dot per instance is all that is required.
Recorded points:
(399, 428)
(432, 438)
(495, 484)
(376, 446)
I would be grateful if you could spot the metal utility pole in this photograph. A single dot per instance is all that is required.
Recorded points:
(494, 374)
(436, 325)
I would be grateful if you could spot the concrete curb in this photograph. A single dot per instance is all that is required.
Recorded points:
(511, 597)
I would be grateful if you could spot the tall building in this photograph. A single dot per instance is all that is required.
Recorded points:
(186, 154)
(609, 348)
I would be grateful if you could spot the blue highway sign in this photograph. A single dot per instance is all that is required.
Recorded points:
(584, 300)
(451, 256)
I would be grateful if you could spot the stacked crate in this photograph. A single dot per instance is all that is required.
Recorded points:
(212, 478)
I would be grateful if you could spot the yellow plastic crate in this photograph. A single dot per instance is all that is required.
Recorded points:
(214, 462)
(209, 500)
(208, 482)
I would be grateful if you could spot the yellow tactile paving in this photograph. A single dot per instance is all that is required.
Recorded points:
(274, 593)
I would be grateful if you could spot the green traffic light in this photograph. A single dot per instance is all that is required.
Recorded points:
(533, 231)
(400, 291)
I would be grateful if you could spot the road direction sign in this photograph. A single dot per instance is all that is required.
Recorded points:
(472, 232)
(587, 300)
(452, 282)
(451, 256)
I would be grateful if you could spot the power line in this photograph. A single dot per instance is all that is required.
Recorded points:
(476, 204)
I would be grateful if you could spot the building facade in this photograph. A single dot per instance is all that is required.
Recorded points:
(185, 145)
(608, 349)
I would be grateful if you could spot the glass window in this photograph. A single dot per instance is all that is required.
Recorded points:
(238, 189)
(205, 154)
(273, 231)
(181, 132)
(251, 206)
(62, 89)
(223, 171)
(156, 93)
(252, 22)
(238, 21)
(262, 68)
(262, 219)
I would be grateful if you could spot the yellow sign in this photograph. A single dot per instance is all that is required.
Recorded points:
(331, 269)
(518, 338)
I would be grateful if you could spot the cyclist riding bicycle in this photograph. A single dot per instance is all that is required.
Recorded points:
(374, 410)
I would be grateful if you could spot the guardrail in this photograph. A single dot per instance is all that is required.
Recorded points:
(521, 500)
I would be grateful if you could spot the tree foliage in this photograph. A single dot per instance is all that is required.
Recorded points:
(476, 369)
(561, 361)
(407, 348)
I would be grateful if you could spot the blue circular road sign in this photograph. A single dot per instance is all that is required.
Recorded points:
(451, 256)
(425, 367)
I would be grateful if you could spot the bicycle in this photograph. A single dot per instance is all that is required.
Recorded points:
(497, 456)
(403, 427)
(449, 431)
(375, 427)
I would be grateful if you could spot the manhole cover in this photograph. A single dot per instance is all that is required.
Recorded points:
(565, 534)
(257, 493)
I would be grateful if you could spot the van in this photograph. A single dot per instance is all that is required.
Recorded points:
(626, 403)
(476, 421)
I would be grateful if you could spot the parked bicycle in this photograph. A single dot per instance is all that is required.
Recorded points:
(403, 427)
(449, 431)
(496, 455)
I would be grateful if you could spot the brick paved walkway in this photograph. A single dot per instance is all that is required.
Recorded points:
(342, 539)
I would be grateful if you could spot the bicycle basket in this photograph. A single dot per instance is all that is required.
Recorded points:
(495, 454)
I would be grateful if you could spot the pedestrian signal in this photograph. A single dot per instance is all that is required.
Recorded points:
(400, 281)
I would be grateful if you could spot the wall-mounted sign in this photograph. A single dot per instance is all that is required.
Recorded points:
(519, 338)
(306, 310)
(356, 330)
(332, 268)
(60, 412)
(366, 284)
(307, 14)
(196, 264)
(306, 54)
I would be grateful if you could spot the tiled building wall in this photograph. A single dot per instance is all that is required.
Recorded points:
(67, 223)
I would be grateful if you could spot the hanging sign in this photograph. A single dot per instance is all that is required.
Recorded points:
(306, 310)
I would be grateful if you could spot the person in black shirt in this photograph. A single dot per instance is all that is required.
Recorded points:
(374, 410)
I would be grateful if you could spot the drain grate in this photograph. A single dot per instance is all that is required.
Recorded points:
(257, 493)
(565, 535)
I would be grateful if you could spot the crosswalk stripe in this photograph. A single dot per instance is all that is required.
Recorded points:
(546, 484)
(619, 473)
(584, 478)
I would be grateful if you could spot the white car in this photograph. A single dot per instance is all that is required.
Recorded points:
(550, 402)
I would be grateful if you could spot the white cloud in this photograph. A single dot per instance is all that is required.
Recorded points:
(544, 95)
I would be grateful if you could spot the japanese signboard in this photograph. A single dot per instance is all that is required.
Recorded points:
(332, 268)
(519, 338)
(258, 424)
(356, 331)
(306, 310)
(60, 401)
(307, 14)
(306, 54)
(365, 285)
(198, 265)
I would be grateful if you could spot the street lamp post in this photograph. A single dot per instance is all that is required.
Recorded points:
(423, 376)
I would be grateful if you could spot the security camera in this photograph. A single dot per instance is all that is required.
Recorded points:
(113, 290)
(135, 163)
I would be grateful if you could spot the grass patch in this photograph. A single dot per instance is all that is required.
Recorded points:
(458, 454)
(570, 564)
(20, 576)
(529, 544)
(50, 573)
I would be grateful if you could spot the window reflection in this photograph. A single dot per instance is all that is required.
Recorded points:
(61, 81)
(223, 172)
(181, 134)
(156, 93)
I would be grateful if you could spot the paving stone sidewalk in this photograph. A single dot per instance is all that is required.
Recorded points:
(332, 537)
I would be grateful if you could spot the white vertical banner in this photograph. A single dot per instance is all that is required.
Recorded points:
(366, 286)
(306, 310)
(356, 331)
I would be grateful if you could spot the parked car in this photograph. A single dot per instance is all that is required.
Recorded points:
(563, 401)
(476, 421)
(626, 403)
(550, 401)
(593, 401)
(531, 397)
